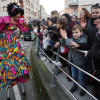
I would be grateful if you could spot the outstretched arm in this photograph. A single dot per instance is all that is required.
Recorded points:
(23, 26)
(65, 41)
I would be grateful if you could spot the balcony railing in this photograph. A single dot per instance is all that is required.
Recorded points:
(73, 3)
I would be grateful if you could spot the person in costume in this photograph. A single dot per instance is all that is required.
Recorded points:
(14, 66)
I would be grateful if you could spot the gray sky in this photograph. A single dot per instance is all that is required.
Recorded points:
(50, 5)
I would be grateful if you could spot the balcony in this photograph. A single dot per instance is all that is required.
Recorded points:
(73, 3)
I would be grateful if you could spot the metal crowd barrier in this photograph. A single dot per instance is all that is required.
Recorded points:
(76, 66)
(79, 68)
(61, 82)
(70, 76)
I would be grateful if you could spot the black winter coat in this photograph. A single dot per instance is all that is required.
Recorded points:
(90, 31)
(94, 54)
(53, 35)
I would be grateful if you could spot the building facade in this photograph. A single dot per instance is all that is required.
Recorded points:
(3, 7)
(28, 6)
(73, 7)
(36, 4)
(43, 13)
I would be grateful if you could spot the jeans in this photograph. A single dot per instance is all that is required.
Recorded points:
(76, 73)
(51, 42)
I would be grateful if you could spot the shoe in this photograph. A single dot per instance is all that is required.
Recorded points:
(54, 62)
(40, 53)
(82, 93)
(58, 64)
(49, 61)
(73, 89)
(43, 58)
(69, 79)
(59, 71)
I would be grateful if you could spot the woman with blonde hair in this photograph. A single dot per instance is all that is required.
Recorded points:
(54, 13)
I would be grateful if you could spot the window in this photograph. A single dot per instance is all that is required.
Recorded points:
(20, 1)
(75, 0)
(29, 3)
(4, 8)
(29, 11)
(0, 9)
(26, 10)
(32, 12)
(32, 5)
(3, 0)
(29, 18)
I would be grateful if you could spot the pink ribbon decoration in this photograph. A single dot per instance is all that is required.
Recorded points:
(13, 9)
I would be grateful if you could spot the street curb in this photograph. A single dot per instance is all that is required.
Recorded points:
(40, 70)
(41, 93)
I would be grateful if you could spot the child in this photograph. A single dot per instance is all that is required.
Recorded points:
(74, 56)
(52, 27)
(61, 24)
(42, 34)
(48, 40)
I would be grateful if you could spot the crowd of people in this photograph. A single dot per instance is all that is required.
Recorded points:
(75, 39)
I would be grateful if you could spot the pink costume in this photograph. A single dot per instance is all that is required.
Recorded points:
(14, 66)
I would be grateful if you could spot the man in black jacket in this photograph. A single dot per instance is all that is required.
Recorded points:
(94, 55)
(89, 29)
